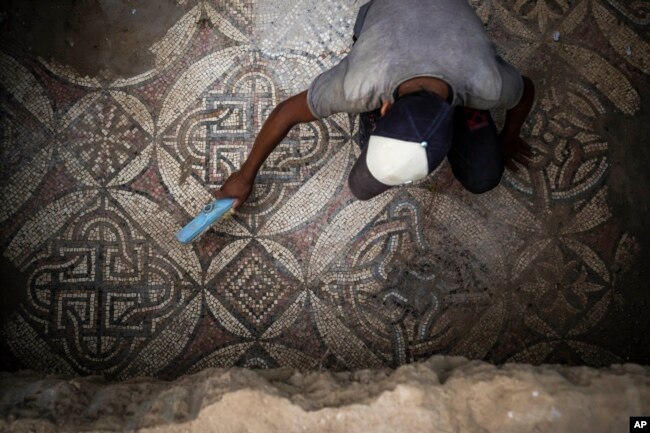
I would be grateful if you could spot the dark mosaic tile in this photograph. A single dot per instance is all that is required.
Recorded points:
(98, 173)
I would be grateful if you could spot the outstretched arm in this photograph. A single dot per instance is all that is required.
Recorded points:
(284, 117)
(514, 147)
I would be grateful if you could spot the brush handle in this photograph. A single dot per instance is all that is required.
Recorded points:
(204, 219)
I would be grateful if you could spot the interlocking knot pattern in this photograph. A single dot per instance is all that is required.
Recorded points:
(97, 176)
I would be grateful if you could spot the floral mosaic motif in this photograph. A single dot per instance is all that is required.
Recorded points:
(105, 138)
(304, 275)
(540, 12)
(560, 289)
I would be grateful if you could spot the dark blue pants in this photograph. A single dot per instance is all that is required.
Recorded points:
(475, 154)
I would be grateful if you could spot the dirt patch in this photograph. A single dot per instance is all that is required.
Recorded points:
(94, 36)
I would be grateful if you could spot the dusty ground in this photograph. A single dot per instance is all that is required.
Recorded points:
(440, 395)
(95, 37)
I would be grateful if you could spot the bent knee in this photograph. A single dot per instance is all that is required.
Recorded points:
(479, 187)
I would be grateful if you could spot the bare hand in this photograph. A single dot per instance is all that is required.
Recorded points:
(237, 186)
(515, 148)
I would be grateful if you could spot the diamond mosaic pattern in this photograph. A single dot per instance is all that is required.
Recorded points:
(305, 275)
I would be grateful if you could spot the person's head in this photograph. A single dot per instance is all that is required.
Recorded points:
(410, 140)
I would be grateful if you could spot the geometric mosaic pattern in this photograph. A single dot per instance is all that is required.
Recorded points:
(97, 176)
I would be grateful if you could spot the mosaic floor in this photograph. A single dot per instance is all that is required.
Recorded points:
(98, 174)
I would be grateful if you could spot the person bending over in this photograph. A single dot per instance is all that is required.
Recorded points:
(422, 74)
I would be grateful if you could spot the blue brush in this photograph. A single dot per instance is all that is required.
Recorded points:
(204, 220)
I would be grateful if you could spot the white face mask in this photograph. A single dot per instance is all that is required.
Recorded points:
(396, 162)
